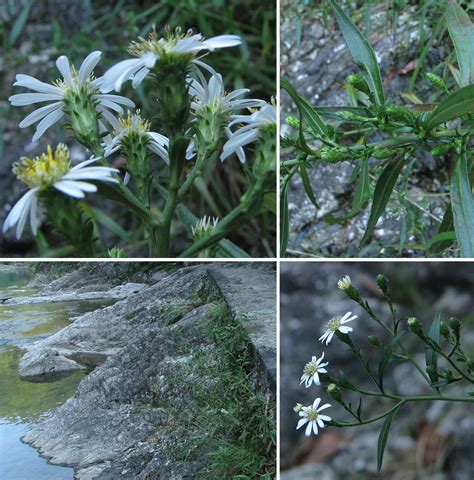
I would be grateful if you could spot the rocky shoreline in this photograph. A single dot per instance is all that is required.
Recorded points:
(120, 423)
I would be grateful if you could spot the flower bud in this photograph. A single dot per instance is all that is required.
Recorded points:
(444, 330)
(381, 154)
(448, 374)
(431, 370)
(401, 114)
(293, 122)
(358, 83)
(470, 364)
(415, 326)
(297, 408)
(344, 283)
(382, 283)
(335, 392)
(455, 325)
(375, 341)
(333, 154)
(437, 82)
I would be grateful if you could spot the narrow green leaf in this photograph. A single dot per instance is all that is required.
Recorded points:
(461, 30)
(307, 186)
(383, 436)
(440, 384)
(284, 220)
(383, 190)
(438, 244)
(362, 53)
(459, 103)
(431, 356)
(463, 206)
(306, 110)
(19, 24)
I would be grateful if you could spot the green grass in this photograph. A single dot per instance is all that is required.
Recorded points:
(229, 421)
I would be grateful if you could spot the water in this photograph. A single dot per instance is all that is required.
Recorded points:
(24, 403)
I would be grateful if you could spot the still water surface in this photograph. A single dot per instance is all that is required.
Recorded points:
(24, 403)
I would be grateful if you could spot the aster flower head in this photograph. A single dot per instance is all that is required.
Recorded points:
(344, 283)
(337, 324)
(203, 226)
(52, 171)
(255, 123)
(312, 370)
(75, 88)
(313, 418)
(174, 47)
(134, 127)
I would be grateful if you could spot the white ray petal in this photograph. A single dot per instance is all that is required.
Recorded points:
(47, 121)
(22, 99)
(39, 114)
(88, 65)
(69, 188)
(34, 84)
(63, 66)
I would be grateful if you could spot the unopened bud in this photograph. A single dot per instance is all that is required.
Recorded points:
(382, 283)
(401, 114)
(444, 330)
(335, 392)
(358, 83)
(297, 408)
(437, 82)
(415, 326)
(293, 122)
(333, 154)
(381, 154)
(448, 374)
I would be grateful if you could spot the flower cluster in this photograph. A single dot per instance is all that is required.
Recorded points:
(207, 116)
(311, 414)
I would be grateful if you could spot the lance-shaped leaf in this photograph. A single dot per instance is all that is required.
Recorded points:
(461, 30)
(383, 436)
(441, 241)
(362, 53)
(459, 103)
(306, 110)
(284, 219)
(307, 185)
(387, 356)
(383, 190)
(462, 204)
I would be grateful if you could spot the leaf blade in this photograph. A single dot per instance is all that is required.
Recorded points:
(362, 53)
(307, 185)
(383, 190)
(462, 204)
(383, 436)
(461, 31)
(459, 103)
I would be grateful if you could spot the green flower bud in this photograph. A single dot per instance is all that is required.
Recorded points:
(333, 154)
(401, 114)
(437, 82)
(293, 122)
(297, 408)
(470, 364)
(382, 283)
(444, 330)
(335, 392)
(375, 341)
(381, 154)
(455, 325)
(358, 83)
(448, 374)
(431, 370)
(415, 326)
(116, 252)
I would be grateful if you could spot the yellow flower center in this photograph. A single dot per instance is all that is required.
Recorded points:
(157, 45)
(44, 170)
(310, 368)
(134, 123)
(334, 324)
(312, 414)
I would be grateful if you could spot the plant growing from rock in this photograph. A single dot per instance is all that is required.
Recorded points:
(338, 134)
(200, 125)
(446, 363)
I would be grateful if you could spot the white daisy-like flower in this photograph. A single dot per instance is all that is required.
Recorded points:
(73, 83)
(135, 124)
(52, 171)
(312, 416)
(173, 45)
(344, 283)
(312, 370)
(335, 324)
(262, 118)
(212, 95)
